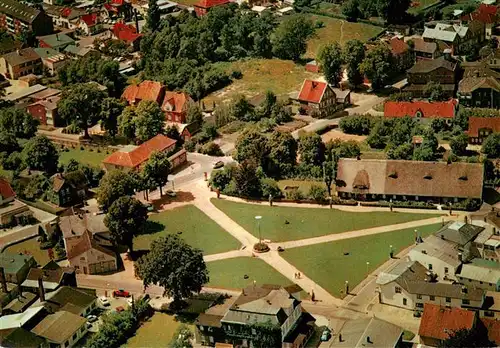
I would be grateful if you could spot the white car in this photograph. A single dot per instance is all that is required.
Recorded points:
(104, 301)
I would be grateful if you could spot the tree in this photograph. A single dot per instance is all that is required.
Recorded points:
(80, 105)
(311, 149)
(156, 170)
(126, 122)
(290, 38)
(475, 337)
(174, 265)
(149, 120)
(402, 130)
(330, 172)
(401, 152)
(17, 122)
(246, 180)
(392, 11)
(459, 143)
(194, 114)
(251, 145)
(182, 337)
(350, 10)
(434, 91)
(354, 54)
(439, 125)
(125, 219)
(111, 109)
(343, 149)
(377, 65)
(8, 142)
(282, 154)
(153, 16)
(330, 58)
(270, 188)
(113, 185)
(39, 153)
(242, 109)
(356, 124)
(265, 335)
(490, 146)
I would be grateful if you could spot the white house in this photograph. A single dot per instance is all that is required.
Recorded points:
(480, 276)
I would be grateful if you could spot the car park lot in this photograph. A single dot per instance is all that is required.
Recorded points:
(114, 303)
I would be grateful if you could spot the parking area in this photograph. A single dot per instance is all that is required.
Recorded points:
(106, 304)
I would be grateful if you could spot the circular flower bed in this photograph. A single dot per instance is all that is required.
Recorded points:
(260, 247)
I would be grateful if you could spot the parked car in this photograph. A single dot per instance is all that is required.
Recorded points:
(121, 293)
(171, 193)
(326, 335)
(104, 301)
(218, 164)
(91, 318)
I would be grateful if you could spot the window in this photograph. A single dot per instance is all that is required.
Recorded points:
(489, 314)
(419, 305)
(448, 299)
(397, 289)
(404, 302)
(432, 297)
(430, 266)
(465, 302)
(446, 270)
(74, 337)
(419, 296)
(480, 282)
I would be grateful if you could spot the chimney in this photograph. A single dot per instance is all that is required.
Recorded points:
(41, 290)
(314, 84)
(3, 280)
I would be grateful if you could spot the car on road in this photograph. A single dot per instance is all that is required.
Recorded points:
(121, 293)
(326, 335)
(171, 193)
(91, 318)
(218, 164)
(103, 300)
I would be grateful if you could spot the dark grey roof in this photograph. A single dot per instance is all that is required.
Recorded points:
(459, 233)
(25, 55)
(381, 334)
(426, 66)
(444, 290)
(17, 10)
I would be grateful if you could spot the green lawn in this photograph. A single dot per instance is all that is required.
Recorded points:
(459, 5)
(419, 5)
(30, 247)
(338, 30)
(327, 265)
(230, 273)
(307, 222)
(304, 185)
(156, 332)
(92, 158)
(197, 230)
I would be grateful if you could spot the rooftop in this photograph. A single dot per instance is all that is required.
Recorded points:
(75, 225)
(79, 299)
(146, 90)
(56, 40)
(420, 108)
(438, 322)
(12, 263)
(478, 123)
(20, 337)
(478, 273)
(59, 327)
(19, 319)
(312, 91)
(372, 332)
(18, 10)
(426, 66)
(6, 191)
(23, 56)
(459, 232)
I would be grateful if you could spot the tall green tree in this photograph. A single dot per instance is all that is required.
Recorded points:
(434, 91)
(354, 54)
(174, 265)
(252, 146)
(39, 153)
(265, 335)
(125, 219)
(290, 37)
(459, 143)
(149, 121)
(491, 147)
(80, 105)
(377, 65)
(331, 60)
(246, 180)
(113, 185)
(157, 169)
(153, 15)
(111, 109)
(392, 11)
(311, 149)
(194, 114)
(467, 338)
(282, 154)
(18, 122)
(126, 122)
(182, 337)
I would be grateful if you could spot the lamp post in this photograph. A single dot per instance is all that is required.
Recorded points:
(391, 251)
(367, 266)
(258, 218)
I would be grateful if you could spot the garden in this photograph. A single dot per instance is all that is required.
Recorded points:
(88, 156)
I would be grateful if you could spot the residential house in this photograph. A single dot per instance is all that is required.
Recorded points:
(480, 276)
(76, 51)
(440, 70)
(20, 303)
(26, 320)
(7, 194)
(258, 304)
(456, 36)
(487, 243)
(90, 23)
(74, 226)
(493, 60)
(402, 53)
(480, 86)
(439, 322)
(422, 111)
(19, 337)
(61, 329)
(16, 18)
(318, 99)
(78, 301)
(132, 157)
(57, 41)
(128, 34)
(16, 266)
(118, 9)
(493, 329)
(491, 306)
(409, 180)
(90, 257)
(52, 276)
(46, 111)
(409, 285)
(68, 188)
(15, 213)
(20, 63)
(489, 15)
(313, 66)
(52, 60)
(146, 90)
(424, 49)
(64, 17)
(203, 6)
(175, 106)
(187, 131)
(372, 332)
(481, 127)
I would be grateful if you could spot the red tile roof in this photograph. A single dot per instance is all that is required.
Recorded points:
(6, 190)
(312, 91)
(477, 123)
(211, 3)
(176, 101)
(125, 32)
(487, 14)
(85, 244)
(428, 109)
(493, 327)
(398, 46)
(146, 90)
(438, 322)
(90, 19)
(141, 153)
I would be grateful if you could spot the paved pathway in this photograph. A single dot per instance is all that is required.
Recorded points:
(228, 255)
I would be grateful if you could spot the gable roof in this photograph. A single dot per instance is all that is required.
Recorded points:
(6, 190)
(18, 10)
(75, 179)
(87, 243)
(398, 46)
(420, 45)
(56, 40)
(90, 19)
(125, 32)
(425, 66)
(141, 153)
(26, 55)
(76, 225)
(146, 90)
(440, 34)
(477, 123)
(459, 232)
(482, 274)
(178, 101)
(487, 14)
(437, 109)
(19, 319)
(59, 327)
(20, 337)
(470, 84)
(211, 3)
(381, 334)
(402, 272)
(493, 328)
(68, 296)
(413, 178)
(312, 91)
(438, 322)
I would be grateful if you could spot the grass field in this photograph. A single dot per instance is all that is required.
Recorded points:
(327, 265)
(304, 185)
(158, 331)
(83, 156)
(230, 273)
(307, 222)
(261, 75)
(459, 5)
(197, 230)
(419, 5)
(340, 31)
(30, 247)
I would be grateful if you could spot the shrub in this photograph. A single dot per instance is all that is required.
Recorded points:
(190, 145)
(220, 179)
(211, 149)
(236, 74)
(294, 195)
(270, 187)
(356, 124)
(317, 193)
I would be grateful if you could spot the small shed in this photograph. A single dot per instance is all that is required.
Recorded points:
(313, 66)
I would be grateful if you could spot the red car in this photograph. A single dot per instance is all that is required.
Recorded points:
(121, 293)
